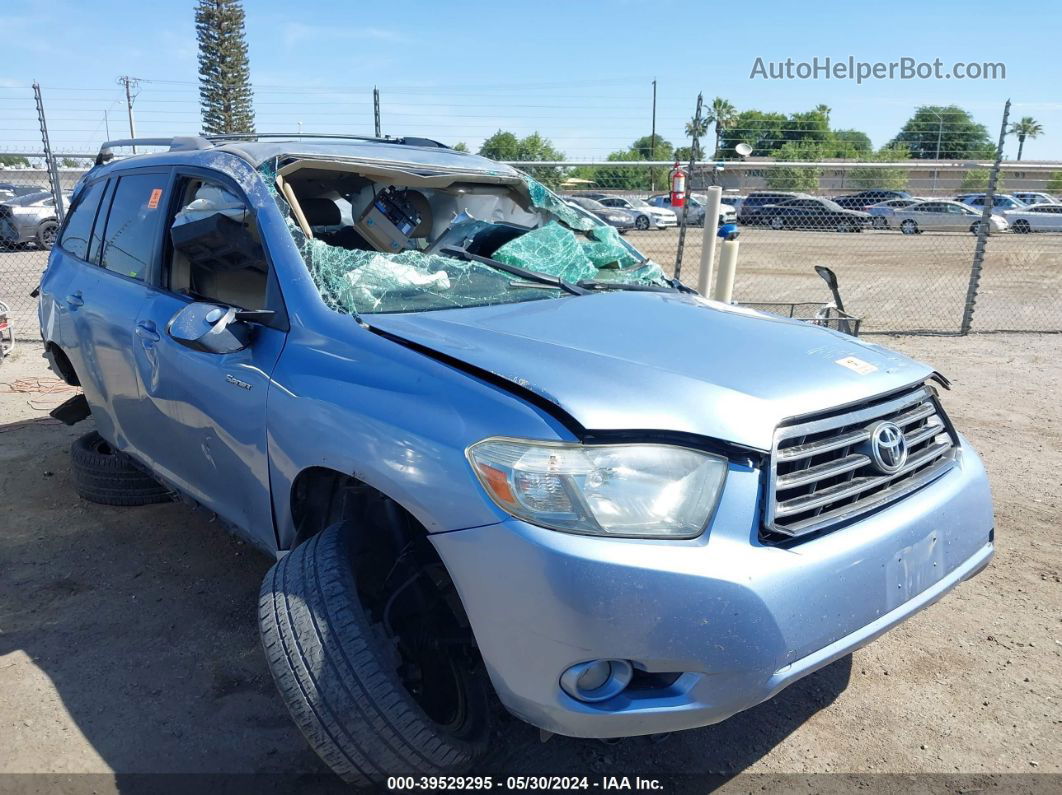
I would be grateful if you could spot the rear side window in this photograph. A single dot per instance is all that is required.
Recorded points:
(133, 223)
(75, 239)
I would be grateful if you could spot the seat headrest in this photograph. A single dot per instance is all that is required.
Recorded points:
(321, 212)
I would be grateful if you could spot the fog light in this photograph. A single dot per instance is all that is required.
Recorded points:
(596, 680)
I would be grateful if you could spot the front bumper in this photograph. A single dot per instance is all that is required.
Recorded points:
(736, 619)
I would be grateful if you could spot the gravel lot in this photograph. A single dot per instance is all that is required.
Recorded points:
(128, 638)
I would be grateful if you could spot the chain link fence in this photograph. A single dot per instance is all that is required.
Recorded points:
(914, 246)
(904, 256)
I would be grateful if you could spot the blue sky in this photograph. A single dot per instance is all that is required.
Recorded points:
(577, 72)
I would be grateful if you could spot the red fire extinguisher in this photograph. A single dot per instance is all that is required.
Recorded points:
(678, 185)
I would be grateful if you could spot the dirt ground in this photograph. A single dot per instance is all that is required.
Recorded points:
(128, 637)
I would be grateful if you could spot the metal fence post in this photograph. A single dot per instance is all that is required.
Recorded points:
(689, 186)
(983, 230)
(49, 158)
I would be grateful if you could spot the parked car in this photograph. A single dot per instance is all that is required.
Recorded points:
(756, 200)
(1001, 202)
(867, 198)
(1034, 197)
(882, 212)
(646, 216)
(944, 216)
(695, 211)
(613, 216)
(1035, 218)
(811, 213)
(735, 201)
(513, 457)
(29, 218)
(9, 190)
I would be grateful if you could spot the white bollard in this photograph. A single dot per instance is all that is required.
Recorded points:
(711, 223)
(724, 285)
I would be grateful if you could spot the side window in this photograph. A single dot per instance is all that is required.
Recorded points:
(75, 239)
(215, 252)
(129, 239)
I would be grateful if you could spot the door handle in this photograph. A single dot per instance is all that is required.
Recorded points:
(74, 300)
(147, 333)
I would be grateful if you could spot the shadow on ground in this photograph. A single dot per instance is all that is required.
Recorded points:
(144, 621)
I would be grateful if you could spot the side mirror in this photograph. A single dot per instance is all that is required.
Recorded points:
(827, 275)
(211, 328)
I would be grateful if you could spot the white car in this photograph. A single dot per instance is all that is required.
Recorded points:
(1001, 202)
(1034, 197)
(646, 215)
(945, 216)
(1044, 217)
(883, 212)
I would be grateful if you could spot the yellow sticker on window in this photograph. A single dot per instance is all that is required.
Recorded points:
(156, 195)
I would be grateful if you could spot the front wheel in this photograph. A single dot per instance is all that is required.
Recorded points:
(880, 223)
(46, 233)
(641, 223)
(909, 227)
(377, 689)
(1022, 227)
(777, 223)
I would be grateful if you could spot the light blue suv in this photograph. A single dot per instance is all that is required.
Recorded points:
(495, 451)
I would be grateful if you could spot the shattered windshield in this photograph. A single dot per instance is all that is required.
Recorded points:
(379, 242)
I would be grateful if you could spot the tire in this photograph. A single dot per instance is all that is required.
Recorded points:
(879, 222)
(46, 234)
(909, 227)
(337, 671)
(844, 226)
(1022, 227)
(777, 222)
(105, 476)
(975, 228)
(641, 223)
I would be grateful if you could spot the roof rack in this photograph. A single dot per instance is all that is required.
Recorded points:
(178, 143)
(402, 140)
(187, 143)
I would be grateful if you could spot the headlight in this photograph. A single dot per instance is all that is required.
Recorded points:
(626, 490)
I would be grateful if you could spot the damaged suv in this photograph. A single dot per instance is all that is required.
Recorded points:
(494, 449)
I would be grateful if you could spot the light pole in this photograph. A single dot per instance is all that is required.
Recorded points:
(940, 132)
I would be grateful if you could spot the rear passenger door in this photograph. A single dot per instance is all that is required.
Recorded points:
(125, 243)
(207, 411)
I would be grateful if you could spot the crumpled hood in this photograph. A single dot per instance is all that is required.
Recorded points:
(662, 361)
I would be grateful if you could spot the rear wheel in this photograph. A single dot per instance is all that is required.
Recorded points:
(777, 222)
(374, 661)
(909, 227)
(46, 233)
(844, 226)
(106, 476)
(1022, 227)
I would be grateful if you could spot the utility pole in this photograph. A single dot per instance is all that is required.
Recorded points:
(49, 157)
(107, 124)
(131, 85)
(376, 109)
(652, 145)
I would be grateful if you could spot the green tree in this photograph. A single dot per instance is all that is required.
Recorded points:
(504, 145)
(976, 180)
(644, 147)
(796, 178)
(959, 136)
(720, 113)
(1054, 184)
(824, 111)
(811, 126)
(1025, 127)
(13, 160)
(850, 144)
(762, 131)
(460, 146)
(225, 95)
(887, 178)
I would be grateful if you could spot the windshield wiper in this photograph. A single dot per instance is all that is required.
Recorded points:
(515, 270)
(597, 284)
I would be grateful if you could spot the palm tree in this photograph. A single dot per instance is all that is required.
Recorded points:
(697, 129)
(721, 112)
(1025, 127)
(825, 110)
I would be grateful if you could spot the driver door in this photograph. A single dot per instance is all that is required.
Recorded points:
(208, 410)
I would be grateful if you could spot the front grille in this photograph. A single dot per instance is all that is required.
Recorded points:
(822, 470)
